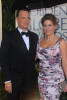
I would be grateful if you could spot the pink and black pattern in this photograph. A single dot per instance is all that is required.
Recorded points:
(51, 71)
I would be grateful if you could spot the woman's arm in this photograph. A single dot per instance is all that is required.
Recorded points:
(63, 47)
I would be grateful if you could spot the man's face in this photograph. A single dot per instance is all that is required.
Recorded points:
(23, 20)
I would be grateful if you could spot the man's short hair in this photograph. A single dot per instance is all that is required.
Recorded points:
(24, 9)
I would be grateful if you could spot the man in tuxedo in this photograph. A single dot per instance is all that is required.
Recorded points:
(18, 50)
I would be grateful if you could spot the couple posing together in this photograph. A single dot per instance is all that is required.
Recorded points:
(19, 50)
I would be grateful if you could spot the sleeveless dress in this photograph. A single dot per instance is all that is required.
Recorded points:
(50, 71)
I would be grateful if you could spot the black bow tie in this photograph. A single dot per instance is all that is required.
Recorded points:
(25, 33)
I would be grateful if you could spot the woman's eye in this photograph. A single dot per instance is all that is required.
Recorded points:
(44, 25)
(50, 25)
(47, 25)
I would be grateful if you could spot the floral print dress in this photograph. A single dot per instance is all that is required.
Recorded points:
(51, 71)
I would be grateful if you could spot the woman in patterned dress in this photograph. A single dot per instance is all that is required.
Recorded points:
(52, 52)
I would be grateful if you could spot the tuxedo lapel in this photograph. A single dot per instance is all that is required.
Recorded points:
(20, 40)
(31, 42)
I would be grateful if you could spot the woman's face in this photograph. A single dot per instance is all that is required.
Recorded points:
(48, 27)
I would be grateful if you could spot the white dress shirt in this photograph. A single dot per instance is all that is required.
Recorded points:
(26, 40)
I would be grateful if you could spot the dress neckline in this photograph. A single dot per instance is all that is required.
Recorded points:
(51, 46)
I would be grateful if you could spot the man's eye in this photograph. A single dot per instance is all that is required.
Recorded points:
(29, 18)
(23, 17)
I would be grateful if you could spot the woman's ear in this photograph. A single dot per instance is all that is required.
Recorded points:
(56, 27)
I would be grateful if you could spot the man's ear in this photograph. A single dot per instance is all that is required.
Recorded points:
(17, 19)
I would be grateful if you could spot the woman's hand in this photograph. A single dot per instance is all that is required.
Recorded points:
(65, 88)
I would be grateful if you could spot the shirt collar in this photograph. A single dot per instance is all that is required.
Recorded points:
(20, 30)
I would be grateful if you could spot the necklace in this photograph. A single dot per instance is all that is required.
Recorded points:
(50, 38)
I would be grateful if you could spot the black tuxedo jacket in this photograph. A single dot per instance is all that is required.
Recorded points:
(16, 58)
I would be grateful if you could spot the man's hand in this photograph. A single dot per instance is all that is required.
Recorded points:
(8, 87)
